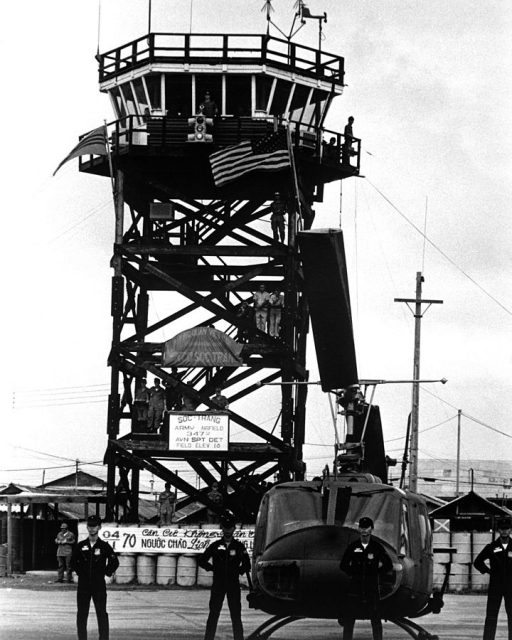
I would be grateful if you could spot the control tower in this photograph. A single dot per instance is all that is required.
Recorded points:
(202, 244)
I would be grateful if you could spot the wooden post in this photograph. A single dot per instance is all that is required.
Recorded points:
(9, 539)
(34, 523)
(457, 472)
(418, 315)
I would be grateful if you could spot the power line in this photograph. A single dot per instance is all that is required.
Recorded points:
(424, 430)
(487, 426)
(440, 251)
(92, 388)
(61, 466)
(62, 404)
(41, 453)
(93, 212)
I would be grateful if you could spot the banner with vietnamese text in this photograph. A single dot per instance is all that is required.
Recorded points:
(167, 539)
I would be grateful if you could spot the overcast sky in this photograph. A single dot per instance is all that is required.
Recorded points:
(430, 88)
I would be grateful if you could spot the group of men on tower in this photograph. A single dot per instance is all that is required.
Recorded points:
(151, 404)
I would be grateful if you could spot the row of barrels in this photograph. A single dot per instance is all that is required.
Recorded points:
(182, 570)
(163, 569)
(463, 575)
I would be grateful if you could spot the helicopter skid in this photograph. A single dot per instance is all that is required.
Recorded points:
(414, 630)
(271, 625)
(264, 631)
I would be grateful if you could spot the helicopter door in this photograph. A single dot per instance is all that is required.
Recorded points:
(416, 546)
(426, 553)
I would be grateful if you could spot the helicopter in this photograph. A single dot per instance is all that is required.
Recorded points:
(303, 527)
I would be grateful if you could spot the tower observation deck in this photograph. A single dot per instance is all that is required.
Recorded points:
(203, 246)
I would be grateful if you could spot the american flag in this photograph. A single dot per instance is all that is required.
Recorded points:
(269, 154)
(95, 142)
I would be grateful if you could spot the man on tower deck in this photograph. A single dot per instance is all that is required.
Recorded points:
(276, 304)
(496, 560)
(141, 403)
(92, 560)
(246, 314)
(364, 561)
(261, 298)
(228, 559)
(278, 208)
(220, 400)
(156, 406)
(347, 151)
(208, 106)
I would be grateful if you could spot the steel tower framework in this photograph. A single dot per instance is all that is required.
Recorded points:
(202, 250)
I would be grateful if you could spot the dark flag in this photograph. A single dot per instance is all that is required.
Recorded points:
(269, 154)
(94, 142)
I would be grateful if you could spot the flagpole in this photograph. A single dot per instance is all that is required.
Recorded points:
(294, 173)
(111, 169)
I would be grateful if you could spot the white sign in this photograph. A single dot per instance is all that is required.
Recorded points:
(205, 431)
(167, 540)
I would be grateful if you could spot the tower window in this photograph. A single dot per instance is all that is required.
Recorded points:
(238, 95)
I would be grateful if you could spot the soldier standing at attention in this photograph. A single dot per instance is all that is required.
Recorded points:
(64, 541)
(278, 209)
(156, 406)
(167, 504)
(141, 403)
(92, 560)
(496, 560)
(228, 559)
(363, 561)
(261, 298)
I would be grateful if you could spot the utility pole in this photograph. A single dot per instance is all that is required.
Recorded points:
(418, 314)
(459, 412)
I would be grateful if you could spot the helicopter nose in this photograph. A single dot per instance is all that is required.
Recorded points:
(304, 567)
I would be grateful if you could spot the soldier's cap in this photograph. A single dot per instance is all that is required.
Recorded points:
(227, 520)
(63, 526)
(504, 523)
(365, 522)
(93, 521)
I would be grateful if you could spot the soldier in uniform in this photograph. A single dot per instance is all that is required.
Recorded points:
(278, 209)
(215, 495)
(363, 561)
(156, 406)
(92, 560)
(496, 560)
(220, 400)
(167, 504)
(228, 559)
(141, 402)
(65, 540)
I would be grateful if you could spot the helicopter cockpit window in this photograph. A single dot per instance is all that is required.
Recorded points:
(382, 508)
(292, 509)
(302, 507)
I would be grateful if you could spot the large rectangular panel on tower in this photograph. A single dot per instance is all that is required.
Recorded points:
(326, 288)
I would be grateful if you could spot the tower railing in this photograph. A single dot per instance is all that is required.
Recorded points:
(210, 48)
(160, 132)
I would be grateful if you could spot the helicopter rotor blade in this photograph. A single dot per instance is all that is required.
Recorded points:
(326, 287)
